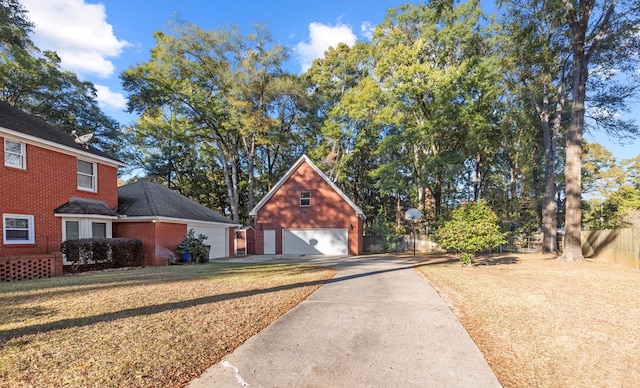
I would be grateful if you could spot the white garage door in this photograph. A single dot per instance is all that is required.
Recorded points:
(315, 242)
(218, 239)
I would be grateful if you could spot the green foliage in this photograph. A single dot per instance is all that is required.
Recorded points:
(600, 170)
(442, 80)
(472, 228)
(466, 259)
(616, 210)
(194, 246)
(384, 231)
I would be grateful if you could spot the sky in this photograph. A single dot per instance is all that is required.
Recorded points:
(99, 39)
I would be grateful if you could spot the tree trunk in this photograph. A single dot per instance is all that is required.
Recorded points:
(399, 217)
(250, 149)
(231, 181)
(235, 200)
(549, 244)
(477, 179)
(572, 250)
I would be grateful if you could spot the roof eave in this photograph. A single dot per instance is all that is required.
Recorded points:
(66, 149)
(125, 218)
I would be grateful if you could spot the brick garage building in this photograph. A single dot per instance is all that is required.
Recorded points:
(160, 217)
(307, 214)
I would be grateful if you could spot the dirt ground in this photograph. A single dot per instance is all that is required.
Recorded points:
(546, 323)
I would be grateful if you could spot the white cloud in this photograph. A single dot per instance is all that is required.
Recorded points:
(321, 37)
(110, 99)
(78, 32)
(367, 29)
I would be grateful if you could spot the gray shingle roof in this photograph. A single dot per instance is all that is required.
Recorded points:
(85, 206)
(148, 199)
(19, 121)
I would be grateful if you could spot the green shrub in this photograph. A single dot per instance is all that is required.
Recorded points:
(194, 247)
(102, 253)
(472, 228)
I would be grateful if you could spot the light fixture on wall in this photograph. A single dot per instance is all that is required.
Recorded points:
(351, 227)
(260, 226)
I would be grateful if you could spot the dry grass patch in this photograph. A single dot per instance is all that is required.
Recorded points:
(142, 327)
(545, 323)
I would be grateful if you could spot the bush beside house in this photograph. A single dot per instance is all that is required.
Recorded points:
(102, 253)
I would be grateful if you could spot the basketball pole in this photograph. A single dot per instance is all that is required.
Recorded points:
(414, 238)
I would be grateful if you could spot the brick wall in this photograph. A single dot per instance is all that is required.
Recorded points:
(30, 267)
(328, 210)
(49, 181)
(168, 236)
(159, 239)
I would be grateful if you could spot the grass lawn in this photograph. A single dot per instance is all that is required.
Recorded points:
(544, 323)
(159, 327)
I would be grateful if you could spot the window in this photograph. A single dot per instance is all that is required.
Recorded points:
(305, 198)
(18, 229)
(86, 175)
(14, 153)
(72, 230)
(99, 229)
(78, 228)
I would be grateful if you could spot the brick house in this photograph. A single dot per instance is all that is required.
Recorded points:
(53, 189)
(160, 217)
(306, 213)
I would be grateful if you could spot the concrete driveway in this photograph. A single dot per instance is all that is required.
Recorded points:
(377, 323)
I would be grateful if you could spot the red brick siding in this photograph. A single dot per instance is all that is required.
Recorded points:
(49, 181)
(328, 210)
(251, 241)
(168, 236)
(159, 239)
(232, 235)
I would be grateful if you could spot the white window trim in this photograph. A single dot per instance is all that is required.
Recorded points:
(308, 199)
(31, 229)
(94, 177)
(23, 154)
(84, 224)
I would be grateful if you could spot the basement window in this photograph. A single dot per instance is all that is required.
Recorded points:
(305, 198)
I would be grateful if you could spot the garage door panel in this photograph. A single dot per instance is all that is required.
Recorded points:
(315, 241)
(217, 240)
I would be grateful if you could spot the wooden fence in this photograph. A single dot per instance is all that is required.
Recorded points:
(619, 245)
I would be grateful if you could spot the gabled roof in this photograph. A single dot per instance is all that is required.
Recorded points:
(148, 199)
(305, 159)
(83, 206)
(14, 119)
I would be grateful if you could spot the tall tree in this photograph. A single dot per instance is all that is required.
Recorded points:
(351, 105)
(541, 62)
(430, 60)
(603, 33)
(228, 88)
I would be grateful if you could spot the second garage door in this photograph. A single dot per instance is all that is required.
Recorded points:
(315, 242)
(218, 239)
